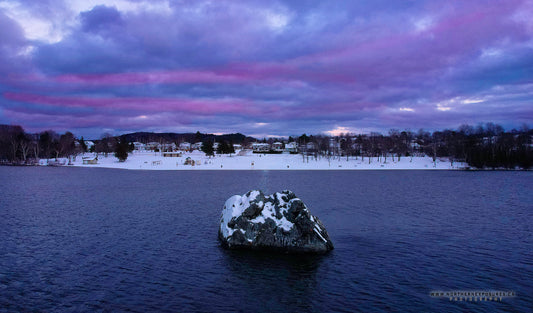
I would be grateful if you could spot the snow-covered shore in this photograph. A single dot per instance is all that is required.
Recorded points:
(250, 161)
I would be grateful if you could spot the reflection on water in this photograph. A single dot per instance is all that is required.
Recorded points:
(263, 183)
(278, 278)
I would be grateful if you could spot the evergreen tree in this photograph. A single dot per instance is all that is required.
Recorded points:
(207, 148)
(231, 148)
(303, 139)
(198, 136)
(121, 150)
(83, 145)
(222, 147)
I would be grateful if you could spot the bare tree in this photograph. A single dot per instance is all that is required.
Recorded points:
(105, 144)
(25, 146)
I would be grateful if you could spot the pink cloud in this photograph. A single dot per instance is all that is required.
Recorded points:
(155, 77)
(69, 121)
(206, 107)
(234, 73)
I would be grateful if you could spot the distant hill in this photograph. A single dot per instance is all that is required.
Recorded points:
(145, 137)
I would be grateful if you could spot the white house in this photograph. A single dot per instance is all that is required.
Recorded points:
(357, 147)
(258, 147)
(237, 147)
(90, 160)
(277, 146)
(89, 144)
(334, 145)
(139, 146)
(197, 146)
(185, 146)
(167, 147)
(416, 146)
(291, 147)
(152, 145)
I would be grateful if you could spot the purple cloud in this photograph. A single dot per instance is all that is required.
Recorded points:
(282, 67)
(184, 106)
(100, 19)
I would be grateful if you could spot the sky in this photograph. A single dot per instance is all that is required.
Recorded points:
(264, 68)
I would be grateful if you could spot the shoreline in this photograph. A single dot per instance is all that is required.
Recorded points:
(248, 161)
(274, 169)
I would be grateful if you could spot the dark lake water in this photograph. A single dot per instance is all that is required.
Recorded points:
(74, 239)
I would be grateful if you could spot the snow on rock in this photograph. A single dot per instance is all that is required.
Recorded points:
(279, 222)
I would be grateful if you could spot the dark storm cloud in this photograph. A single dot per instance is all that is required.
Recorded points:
(100, 18)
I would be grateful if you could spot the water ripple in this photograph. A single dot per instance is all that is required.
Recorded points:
(103, 240)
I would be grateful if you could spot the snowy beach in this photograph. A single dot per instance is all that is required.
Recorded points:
(246, 160)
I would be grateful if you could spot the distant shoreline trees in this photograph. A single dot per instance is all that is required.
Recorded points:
(486, 146)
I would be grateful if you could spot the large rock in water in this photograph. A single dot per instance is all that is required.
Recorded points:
(279, 222)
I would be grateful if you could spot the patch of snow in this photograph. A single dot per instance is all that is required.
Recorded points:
(259, 219)
(236, 205)
(145, 160)
(269, 212)
(233, 207)
(319, 235)
(279, 196)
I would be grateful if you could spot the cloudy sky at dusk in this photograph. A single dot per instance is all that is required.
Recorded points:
(264, 67)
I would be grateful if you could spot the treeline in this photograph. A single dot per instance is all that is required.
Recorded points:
(223, 147)
(19, 147)
(483, 146)
(146, 137)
